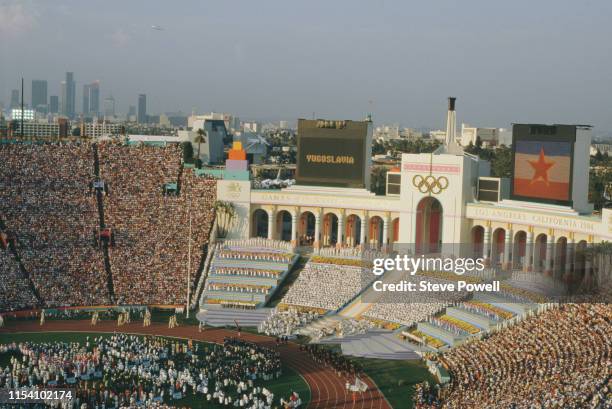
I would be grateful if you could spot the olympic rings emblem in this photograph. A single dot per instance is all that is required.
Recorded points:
(430, 184)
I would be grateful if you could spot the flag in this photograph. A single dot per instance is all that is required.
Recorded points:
(542, 170)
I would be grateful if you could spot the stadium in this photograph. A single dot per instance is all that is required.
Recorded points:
(136, 280)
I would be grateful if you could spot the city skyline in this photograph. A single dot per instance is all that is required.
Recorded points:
(544, 62)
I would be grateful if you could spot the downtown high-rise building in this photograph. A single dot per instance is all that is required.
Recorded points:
(109, 107)
(142, 108)
(39, 95)
(14, 99)
(91, 99)
(68, 95)
(53, 104)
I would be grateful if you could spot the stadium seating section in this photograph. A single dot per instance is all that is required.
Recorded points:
(49, 208)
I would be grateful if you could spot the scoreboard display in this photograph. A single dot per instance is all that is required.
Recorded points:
(332, 153)
(543, 163)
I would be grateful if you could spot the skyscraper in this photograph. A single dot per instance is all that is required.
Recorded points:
(85, 100)
(142, 108)
(68, 95)
(109, 107)
(39, 95)
(14, 98)
(53, 104)
(91, 99)
(94, 98)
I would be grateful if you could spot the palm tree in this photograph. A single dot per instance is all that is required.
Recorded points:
(201, 138)
(225, 214)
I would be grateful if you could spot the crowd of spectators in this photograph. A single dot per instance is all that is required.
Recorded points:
(558, 359)
(325, 285)
(15, 291)
(45, 199)
(149, 257)
(408, 308)
(287, 322)
(50, 209)
(126, 370)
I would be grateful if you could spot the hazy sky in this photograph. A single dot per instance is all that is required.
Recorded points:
(505, 61)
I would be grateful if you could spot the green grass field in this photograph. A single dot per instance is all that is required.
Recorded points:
(396, 379)
(282, 387)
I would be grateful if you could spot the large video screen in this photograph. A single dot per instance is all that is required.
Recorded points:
(543, 163)
(331, 153)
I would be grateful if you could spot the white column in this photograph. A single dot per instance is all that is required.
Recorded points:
(316, 244)
(385, 233)
(550, 249)
(271, 224)
(507, 249)
(294, 229)
(362, 231)
(340, 234)
(486, 245)
(528, 264)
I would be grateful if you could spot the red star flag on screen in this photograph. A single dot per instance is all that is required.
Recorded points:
(542, 170)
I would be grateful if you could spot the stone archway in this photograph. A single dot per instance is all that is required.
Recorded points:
(353, 230)
(560, 257)
(283, 225)
(429, 226)
(306, 228)
(498, 244)
(539, 252)
(259, 223)
(330, 229)
(376, 231)
(477, 241)
(395, 225)
(520, 250)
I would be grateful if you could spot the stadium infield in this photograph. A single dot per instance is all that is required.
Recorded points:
(327, 389)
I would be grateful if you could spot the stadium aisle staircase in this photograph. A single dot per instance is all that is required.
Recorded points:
(100, 200)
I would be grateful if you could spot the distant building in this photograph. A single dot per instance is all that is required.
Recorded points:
(85, 109)
(14, 99)
(211, 152)
(109, 107)
(53, 104)
(68, 95)
(142, 109)
(39, 95)
(386, 132)
(131, 115)
(488, 136)
(601, 147)
(37, 129)
(251, 126)
(91, 99)
(283, 125)
(100, 129)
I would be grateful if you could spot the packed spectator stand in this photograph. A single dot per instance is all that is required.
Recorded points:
(560, 358)
(327, 283)
(50, 208)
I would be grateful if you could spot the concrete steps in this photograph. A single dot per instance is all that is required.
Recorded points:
(477, 320)
(217, 316)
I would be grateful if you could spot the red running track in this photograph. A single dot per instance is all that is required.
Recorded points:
(327, 389)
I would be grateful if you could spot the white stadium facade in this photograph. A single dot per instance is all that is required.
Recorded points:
(433, 199)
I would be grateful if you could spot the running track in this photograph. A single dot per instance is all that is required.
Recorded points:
(327, 389)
